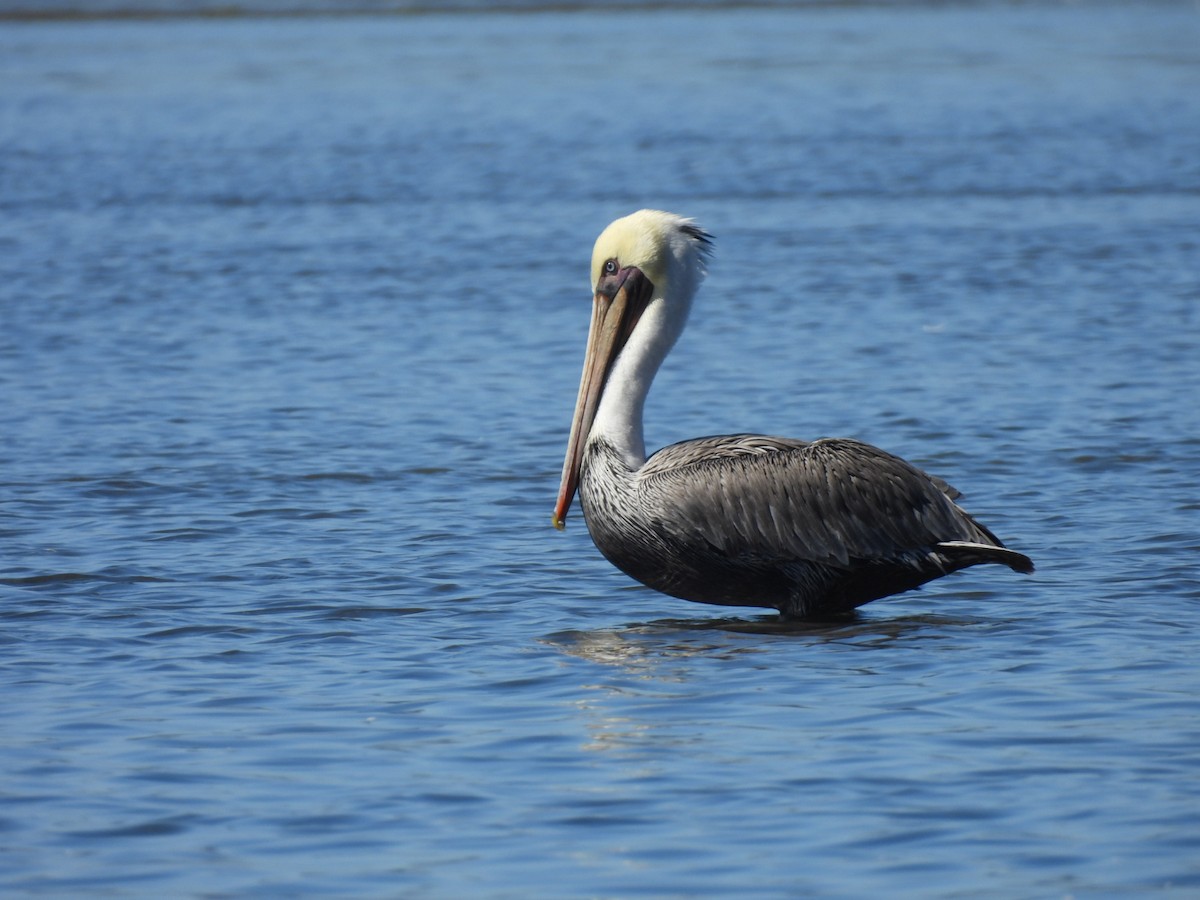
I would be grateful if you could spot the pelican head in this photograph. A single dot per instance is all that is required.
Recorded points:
(646, 268)
(670, 251)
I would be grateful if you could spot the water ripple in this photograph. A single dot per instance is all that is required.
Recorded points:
(292, 321)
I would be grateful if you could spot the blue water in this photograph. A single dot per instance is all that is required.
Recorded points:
(291, 314)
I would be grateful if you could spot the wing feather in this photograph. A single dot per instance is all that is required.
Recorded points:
(773, 500)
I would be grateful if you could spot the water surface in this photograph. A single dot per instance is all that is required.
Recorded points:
(292, 313)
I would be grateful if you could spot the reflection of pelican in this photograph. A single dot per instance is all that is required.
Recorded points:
(645, 648)
(741, 520)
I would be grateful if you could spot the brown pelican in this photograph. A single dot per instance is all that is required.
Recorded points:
(809, 528)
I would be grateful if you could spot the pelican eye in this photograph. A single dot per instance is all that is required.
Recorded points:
(610, 267)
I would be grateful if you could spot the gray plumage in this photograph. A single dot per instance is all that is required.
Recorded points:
(810, 529)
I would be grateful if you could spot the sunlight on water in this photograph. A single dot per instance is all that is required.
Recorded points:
(293, 311)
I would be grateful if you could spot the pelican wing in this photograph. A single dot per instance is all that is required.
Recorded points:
(767, 499)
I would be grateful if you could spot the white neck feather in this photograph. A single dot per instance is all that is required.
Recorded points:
(619, 416)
